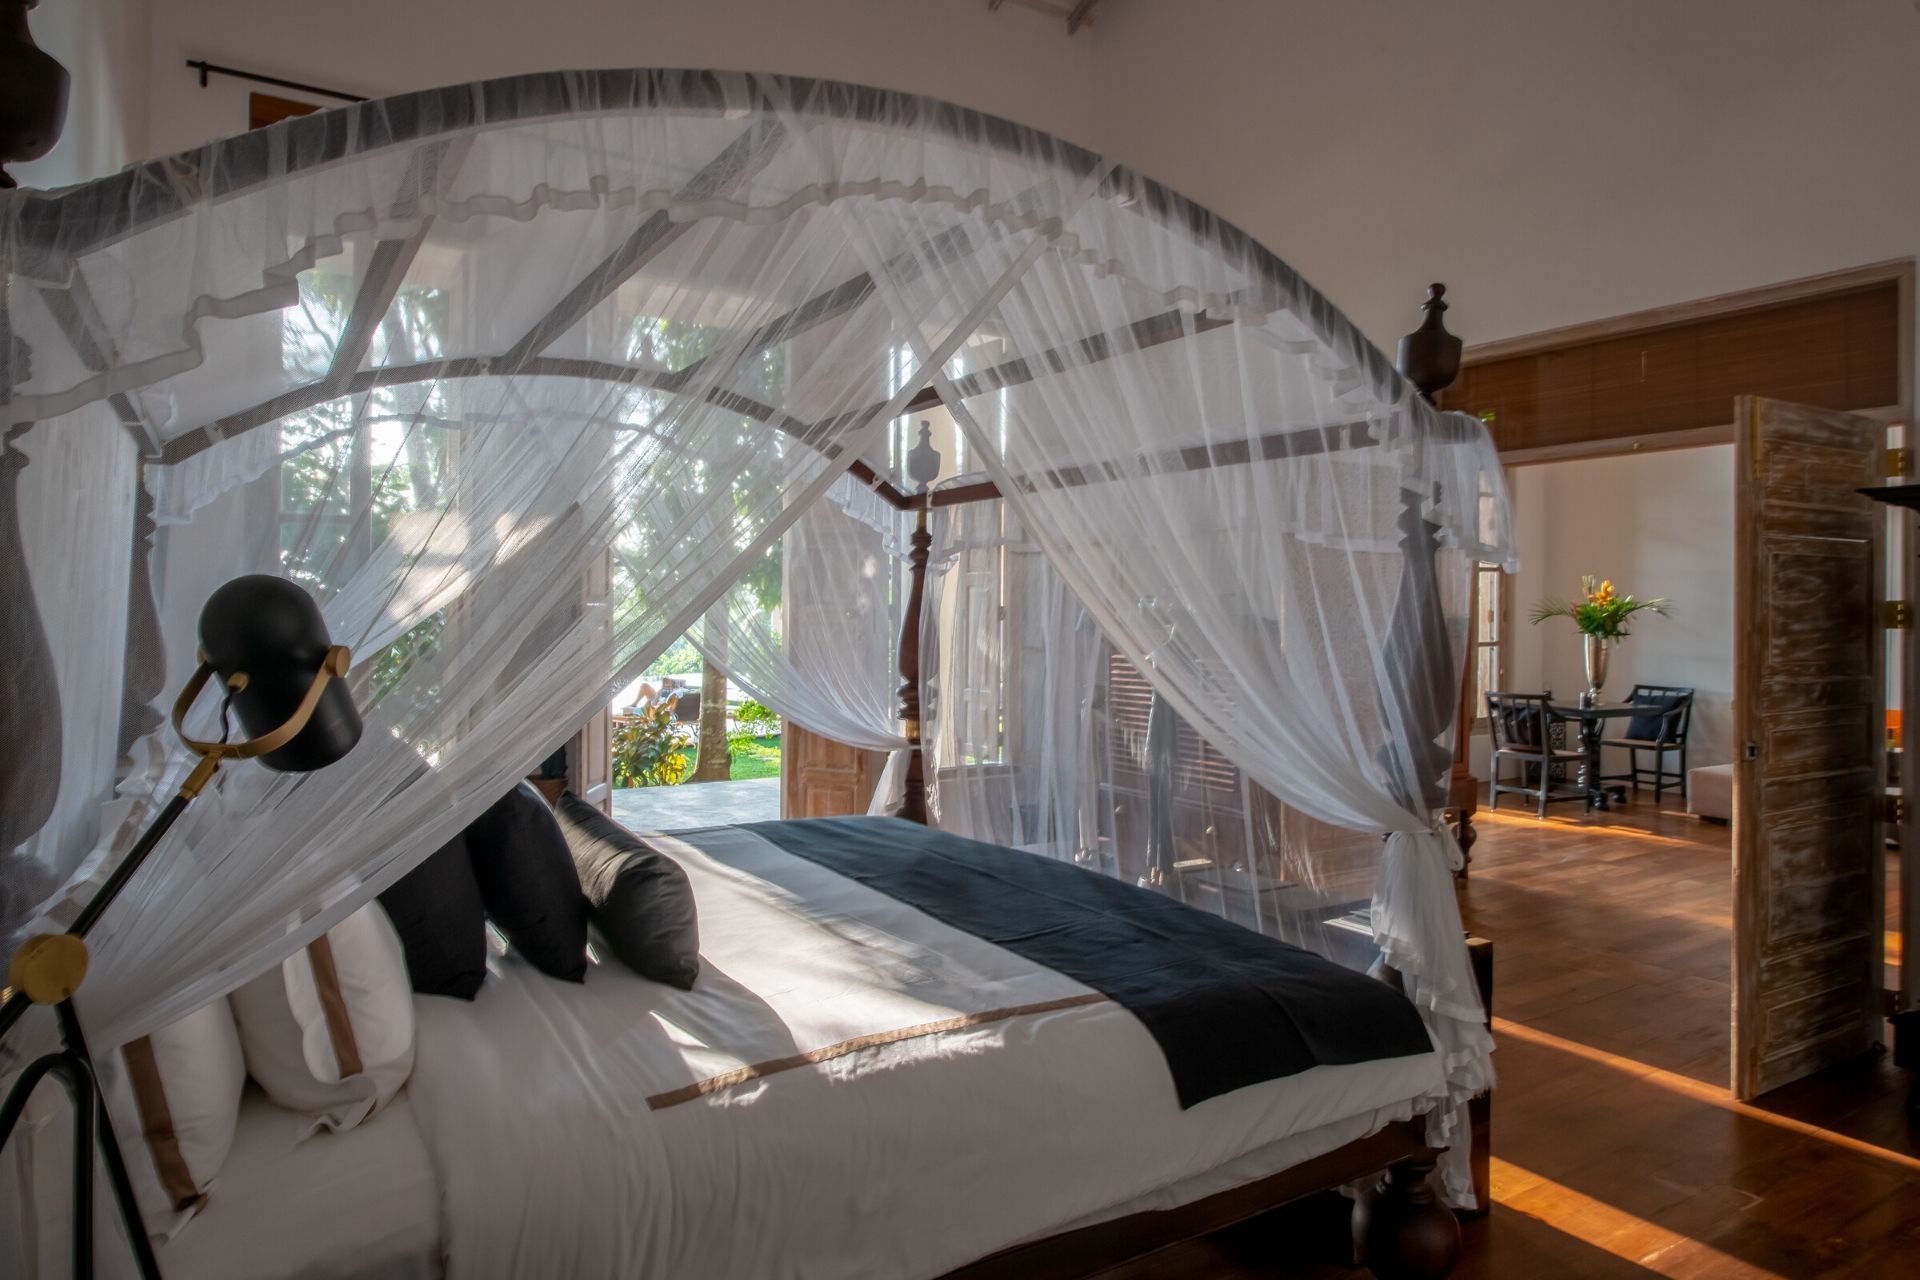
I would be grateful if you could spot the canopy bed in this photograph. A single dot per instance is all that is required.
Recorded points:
(524, 378)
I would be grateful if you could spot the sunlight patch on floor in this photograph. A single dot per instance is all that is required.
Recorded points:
(1624, 1235)
(1505, 819)
(1696, 1091)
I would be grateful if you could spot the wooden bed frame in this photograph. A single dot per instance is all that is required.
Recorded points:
(1400, 1229)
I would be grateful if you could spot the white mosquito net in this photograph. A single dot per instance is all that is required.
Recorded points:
(524, 378)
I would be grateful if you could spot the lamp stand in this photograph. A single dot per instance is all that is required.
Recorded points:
(49, 967)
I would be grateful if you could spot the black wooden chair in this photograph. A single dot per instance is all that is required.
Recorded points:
(1661, 731)
(1524, 731)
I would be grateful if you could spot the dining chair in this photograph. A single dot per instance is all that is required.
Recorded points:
(1663, 729)
(1522, 725)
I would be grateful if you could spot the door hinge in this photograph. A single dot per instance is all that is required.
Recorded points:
(1899, 462)
(1895, 811)
(1895, 615)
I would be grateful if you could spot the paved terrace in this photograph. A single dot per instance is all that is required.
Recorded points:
(697, 804)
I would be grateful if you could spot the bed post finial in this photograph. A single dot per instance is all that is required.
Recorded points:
(33, 91)
(1430, 356)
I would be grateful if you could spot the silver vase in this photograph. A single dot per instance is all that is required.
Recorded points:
(1596, 666)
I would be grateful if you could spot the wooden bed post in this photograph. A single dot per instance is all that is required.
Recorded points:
(1429, 358)
(913, 803)
(923, 468)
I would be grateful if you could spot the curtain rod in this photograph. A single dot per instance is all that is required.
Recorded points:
(206, 69)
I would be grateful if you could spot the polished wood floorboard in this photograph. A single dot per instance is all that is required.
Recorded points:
(1618, 1151)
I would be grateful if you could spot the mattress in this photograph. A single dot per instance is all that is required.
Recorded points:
(851, 1089)
(360, 1203)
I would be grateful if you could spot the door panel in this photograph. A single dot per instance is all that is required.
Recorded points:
(821, 778)
(1808, 712)
(590, 754)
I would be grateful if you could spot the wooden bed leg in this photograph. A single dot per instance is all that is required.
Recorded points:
(1401, 1231)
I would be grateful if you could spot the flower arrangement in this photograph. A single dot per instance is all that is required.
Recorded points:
(1599, 611)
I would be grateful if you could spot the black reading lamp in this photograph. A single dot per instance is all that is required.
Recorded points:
(264, 637)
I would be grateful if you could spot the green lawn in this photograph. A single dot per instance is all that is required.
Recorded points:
(752, 758)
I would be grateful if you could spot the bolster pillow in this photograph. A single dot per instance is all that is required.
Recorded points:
(527, 880)
(639, 899)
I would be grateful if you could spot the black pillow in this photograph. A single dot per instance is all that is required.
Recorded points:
(436, 910)
(640, 899)
(1647, 727)
(526, 877)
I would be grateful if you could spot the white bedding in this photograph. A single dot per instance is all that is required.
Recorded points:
(360, 1204)
(907, 1153)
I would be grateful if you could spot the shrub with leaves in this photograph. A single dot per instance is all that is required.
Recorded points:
(650, 748)
(758, 718)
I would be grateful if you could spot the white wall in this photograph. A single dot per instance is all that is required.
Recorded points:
(104, 45)
(1658, 524)
(1015, 62)
(1553, 163)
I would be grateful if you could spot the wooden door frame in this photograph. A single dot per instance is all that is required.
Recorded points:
(1906, 531)
(1898, 271)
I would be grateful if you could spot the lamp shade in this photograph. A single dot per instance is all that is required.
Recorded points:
(272, 631)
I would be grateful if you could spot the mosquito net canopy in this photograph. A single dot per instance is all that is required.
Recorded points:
(523, 378)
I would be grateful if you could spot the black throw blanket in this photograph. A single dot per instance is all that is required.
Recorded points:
(1228, 1007)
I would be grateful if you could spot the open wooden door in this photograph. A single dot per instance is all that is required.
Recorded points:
(821, 778)
(1808, 724)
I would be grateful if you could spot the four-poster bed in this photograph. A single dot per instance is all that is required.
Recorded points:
(444, 358)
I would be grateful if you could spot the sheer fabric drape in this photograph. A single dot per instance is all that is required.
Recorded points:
(812, 631)
(1042, 734)
(521, 378)
(1269, 526)
(448, 361)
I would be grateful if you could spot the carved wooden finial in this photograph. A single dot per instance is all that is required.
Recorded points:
(1430, 356)
(33, 91)
(923, 460)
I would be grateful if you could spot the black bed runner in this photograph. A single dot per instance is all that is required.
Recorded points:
(1228, 1007)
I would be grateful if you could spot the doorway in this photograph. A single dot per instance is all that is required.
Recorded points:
(1675, 406)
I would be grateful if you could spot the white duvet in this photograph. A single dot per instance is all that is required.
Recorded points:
(851, 1089)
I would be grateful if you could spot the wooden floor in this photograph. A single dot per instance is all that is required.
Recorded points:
(1618, 1151)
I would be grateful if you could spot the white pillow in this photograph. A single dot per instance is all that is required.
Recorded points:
(174, 1098)
(329, 1033)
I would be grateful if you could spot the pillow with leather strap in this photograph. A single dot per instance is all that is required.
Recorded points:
(527, 880)
(640, 899)
(329, 1033)
(174, 1098)
(437, 911)
(1647, 727)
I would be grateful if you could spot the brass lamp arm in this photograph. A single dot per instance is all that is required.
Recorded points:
(48, 968)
